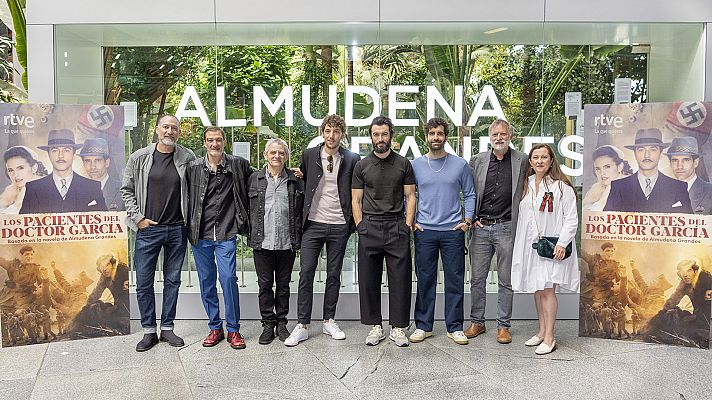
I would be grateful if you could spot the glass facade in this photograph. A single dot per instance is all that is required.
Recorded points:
(262, 80)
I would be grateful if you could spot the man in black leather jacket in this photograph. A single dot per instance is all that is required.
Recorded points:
(217, 204)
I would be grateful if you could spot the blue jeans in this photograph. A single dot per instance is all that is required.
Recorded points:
(149, 242)
(486, 242)
(205, 253)
(450, 246)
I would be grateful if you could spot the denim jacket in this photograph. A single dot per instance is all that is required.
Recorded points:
(256, 193)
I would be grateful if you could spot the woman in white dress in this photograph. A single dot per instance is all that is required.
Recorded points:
(21, 166)
(608, 165)
(547, 208)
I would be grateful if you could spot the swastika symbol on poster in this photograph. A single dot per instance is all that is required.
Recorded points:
(691, 114)
(100, 117)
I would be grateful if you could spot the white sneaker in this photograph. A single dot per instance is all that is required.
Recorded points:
(543, 348)
(419, 335)
(398, 335)
(375, 336)
(458, 337)
(533, 341)
(300, 333)
(332, 329)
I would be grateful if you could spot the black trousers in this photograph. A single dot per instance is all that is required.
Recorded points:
(384, 237)
(273, 267)
(315, 235)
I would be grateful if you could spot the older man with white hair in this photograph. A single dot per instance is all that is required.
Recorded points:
(276, 200)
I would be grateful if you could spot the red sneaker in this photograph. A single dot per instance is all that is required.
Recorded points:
(213, 338)
(236, 341)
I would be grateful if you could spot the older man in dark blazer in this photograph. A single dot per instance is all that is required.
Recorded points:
(648, 190)
(499, 178)
(63, 190)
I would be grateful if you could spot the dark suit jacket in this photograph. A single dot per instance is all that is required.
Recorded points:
(112, 195)
(312, 169)
(480, 165)
(627, 196)
(701, 197)
(42, 196)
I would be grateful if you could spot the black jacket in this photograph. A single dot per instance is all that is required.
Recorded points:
(312, 169)
(257, 187)
(197, 175)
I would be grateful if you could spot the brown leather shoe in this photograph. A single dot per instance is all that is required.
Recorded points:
(213, 338)
(236, 341)
(503, 335)
(475, 330)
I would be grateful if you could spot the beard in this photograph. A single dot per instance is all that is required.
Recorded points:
(384, 149)
(435, 146)
(168, 141)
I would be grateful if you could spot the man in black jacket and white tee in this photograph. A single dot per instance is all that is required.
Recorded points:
(327, 217)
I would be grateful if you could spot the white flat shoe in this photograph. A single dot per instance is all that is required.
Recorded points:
(543, 348)
(534, 341)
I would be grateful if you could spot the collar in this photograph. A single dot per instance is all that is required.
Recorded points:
(58, 180)
(508, 154)
(103, 180)
(691, 181)
(642, 178)
(324, 155)
(222, 166)
(376, 159)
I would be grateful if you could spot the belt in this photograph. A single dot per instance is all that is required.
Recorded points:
(485, 221)
(383, 217)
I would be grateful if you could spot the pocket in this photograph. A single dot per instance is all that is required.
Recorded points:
(361, 227)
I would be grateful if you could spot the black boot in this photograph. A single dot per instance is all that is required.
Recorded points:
(149, 340)
(267, 335)
(282, 331)
(172, 339)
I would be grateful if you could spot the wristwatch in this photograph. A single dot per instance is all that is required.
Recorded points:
(469, 224)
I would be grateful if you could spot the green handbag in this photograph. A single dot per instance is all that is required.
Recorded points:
(545, 247)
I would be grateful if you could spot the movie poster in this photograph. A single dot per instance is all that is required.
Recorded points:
(63, 240)
(646, 225)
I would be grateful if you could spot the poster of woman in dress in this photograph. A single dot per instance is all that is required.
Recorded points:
(646, 229)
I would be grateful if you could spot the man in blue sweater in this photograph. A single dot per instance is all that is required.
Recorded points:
(440, 229)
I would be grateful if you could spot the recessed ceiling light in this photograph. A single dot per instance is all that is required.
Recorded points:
(495, 30)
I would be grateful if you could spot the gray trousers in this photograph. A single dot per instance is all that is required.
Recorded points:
(486, 242)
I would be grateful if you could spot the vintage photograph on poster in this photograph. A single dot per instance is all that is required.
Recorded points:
(63, 277)
(646, 225)
(61, 158)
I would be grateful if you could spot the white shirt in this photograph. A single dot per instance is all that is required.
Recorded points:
(691, 181)
(58, 181)
(326, 205)
(643, 184)
(103, 181)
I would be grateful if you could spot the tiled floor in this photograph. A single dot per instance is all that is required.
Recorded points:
(322, 368)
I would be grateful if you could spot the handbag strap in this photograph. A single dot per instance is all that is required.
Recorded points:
(538, 231)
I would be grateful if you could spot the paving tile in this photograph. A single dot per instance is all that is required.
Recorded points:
(104, 354)
(682, 370)
(21, 362)
(16, 389)
(166, 382)
(292, 373)
(461, 387)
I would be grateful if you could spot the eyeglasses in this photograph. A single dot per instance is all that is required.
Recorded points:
(330, 167)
